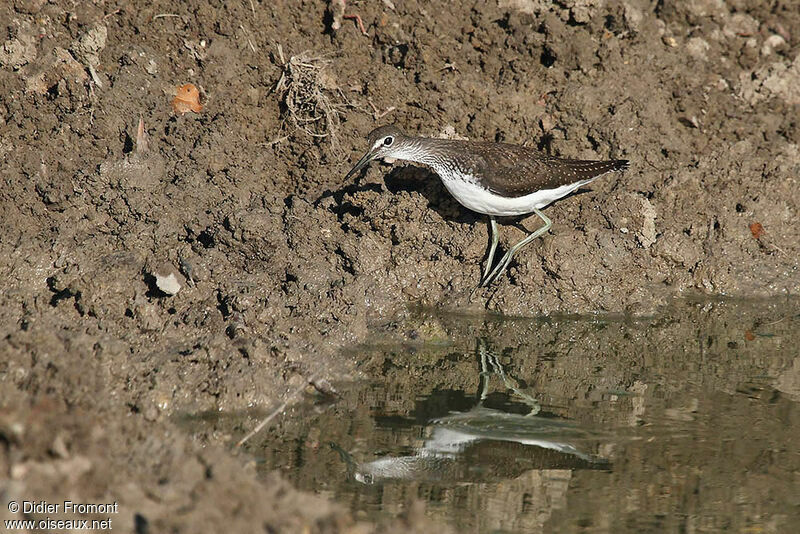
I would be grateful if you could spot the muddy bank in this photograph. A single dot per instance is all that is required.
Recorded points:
(280, 263)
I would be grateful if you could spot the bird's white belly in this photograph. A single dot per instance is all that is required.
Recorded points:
(471, 195)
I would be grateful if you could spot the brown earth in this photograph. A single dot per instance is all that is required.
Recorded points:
(281, 263)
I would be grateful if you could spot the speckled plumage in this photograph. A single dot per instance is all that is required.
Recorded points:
(496, 179)
(504, 170)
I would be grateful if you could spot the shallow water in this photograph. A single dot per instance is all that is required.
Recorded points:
(685, 422)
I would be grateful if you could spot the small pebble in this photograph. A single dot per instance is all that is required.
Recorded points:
(168, 284)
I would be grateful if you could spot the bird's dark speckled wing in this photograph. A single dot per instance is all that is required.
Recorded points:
(513, 171)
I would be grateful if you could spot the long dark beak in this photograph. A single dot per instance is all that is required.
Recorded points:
(360, 165)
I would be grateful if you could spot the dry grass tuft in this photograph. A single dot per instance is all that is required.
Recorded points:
(312, 102)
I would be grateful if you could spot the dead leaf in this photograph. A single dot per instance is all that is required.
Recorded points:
(749, 336)
(187, 99)
(756, 229)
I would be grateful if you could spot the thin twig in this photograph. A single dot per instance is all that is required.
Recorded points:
(776, 322)
(779, 249)
(247, 36)
(275, 141)
(359, 22)
(276, 411)
(380, 114)
(280, 55)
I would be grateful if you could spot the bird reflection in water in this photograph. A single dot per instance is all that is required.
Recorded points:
(485, 444)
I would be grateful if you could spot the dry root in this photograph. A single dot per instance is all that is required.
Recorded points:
(311, 100)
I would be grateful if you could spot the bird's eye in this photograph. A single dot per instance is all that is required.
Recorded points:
(388, 140)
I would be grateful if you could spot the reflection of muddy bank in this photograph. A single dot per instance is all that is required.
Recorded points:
(721, 345)
(692, 397)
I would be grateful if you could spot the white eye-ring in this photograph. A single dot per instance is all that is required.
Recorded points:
(388, 140)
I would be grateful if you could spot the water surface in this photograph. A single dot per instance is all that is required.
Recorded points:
(687, 422)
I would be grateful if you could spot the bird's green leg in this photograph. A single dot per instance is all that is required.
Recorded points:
(502, 265)
(484, 376)
(489, 360)
(527, 399)
(495, 237)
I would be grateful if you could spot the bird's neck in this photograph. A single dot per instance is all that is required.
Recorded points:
(418, 150)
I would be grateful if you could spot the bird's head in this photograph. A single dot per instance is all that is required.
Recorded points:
(384, 142)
